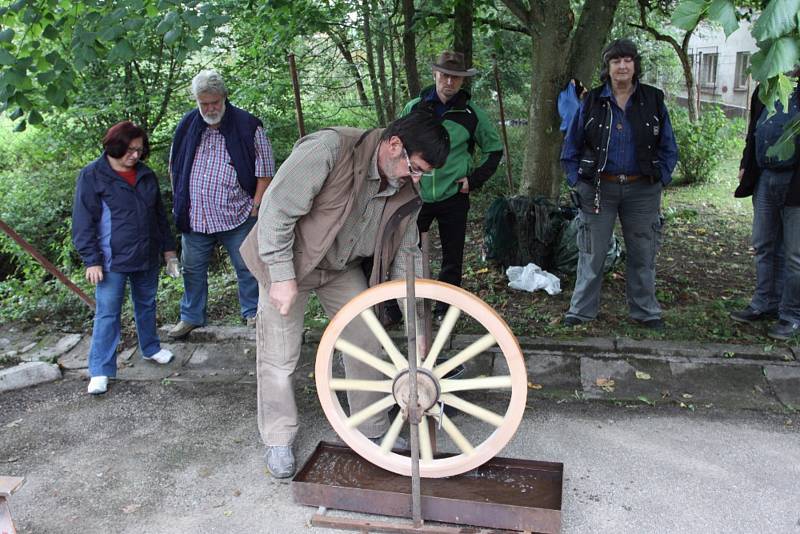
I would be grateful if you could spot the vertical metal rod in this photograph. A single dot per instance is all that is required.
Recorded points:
(503, 125)
(427, 322)
(298, 107)
(44, 262)
(414, 415)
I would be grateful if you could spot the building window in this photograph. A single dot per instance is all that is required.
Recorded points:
(742, 64)
(708, 69)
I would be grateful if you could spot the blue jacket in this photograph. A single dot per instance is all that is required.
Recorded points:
(238, 128)
(120, 227)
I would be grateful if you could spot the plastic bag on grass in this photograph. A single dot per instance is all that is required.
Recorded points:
(532, 277)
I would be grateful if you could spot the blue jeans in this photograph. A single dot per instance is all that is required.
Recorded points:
(776, 240)
(195, 256)
(638, 206)
(109, 295)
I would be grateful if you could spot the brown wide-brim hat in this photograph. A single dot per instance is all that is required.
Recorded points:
(452, 63)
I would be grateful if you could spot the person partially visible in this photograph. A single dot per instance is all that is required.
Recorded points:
(775, 188)
(446, 191)
(221, 163)
(618, 154)
(120, 229)
(343, 199)
(569, 102)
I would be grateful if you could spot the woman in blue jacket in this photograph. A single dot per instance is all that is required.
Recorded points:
(120, 229)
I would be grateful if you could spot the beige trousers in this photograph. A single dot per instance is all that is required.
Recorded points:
(278, 344)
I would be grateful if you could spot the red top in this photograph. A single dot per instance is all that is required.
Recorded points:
(129, 176)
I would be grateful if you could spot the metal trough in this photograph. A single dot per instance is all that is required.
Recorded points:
(504, 493)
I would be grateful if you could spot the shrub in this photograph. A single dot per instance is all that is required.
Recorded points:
(702, 145)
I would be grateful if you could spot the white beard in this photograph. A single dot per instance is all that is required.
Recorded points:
(214, 119)
(396, 181)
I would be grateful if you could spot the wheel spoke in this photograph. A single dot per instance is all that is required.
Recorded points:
(388, 345)
(358, 418)
(486, 382)
(465, 355)
(455, 434)
(425, 448)
(449, 321)
(390, 438)
(487, 416)
(365, 357)
(348, 384)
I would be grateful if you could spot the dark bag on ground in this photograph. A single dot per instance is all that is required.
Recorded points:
(566, 253)
(520, 230)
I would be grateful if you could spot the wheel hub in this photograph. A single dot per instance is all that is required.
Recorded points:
(427, 389)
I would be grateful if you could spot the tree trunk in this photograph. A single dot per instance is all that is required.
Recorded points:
(380, 47)
(589, 39)
(688, 77)
(342, 45)
(373, 79)
(462, 29)
(541, 171)
(410, 49)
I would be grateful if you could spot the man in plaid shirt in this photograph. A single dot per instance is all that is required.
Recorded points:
(221, 163)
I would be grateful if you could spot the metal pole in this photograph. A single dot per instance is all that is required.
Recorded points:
(414, 415)
(298, 107)
(427, 322)
(503, 125)
(49, 267)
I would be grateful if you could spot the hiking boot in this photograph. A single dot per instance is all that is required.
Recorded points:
(163, 356)
(652, 324)
(182, 329)
(250, 322)
(391, 314)
(749, 315)
(571, 320)
(280, 461)
(784, 330)
(98, 385)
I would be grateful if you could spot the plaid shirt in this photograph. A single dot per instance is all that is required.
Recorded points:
(216, 200)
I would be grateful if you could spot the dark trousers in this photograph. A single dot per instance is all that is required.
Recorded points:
(451, 216)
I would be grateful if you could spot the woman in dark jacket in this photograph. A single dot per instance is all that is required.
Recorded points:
(120, 229)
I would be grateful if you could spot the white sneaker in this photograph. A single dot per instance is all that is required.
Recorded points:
(98, 385)
(163, 356)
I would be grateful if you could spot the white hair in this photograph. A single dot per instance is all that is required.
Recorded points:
(208, 81)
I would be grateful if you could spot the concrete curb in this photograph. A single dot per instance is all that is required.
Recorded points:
(28, 374)
(619, 369)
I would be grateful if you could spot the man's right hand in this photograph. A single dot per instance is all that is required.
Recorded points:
(741, 174)
(282, 295)
(94, 274)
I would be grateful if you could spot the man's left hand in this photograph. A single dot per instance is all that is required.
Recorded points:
(464, 185)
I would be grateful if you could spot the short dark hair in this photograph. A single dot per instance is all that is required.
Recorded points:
(119, 137)
(621, 48)
(421, 133)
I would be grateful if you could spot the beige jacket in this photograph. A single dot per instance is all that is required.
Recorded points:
(316, 231)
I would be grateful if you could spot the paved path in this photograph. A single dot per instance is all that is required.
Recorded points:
(655, 437)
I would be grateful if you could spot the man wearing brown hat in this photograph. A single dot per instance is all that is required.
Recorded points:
(445, 191)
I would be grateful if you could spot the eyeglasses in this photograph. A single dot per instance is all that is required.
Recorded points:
(411, 170)
(139, 150)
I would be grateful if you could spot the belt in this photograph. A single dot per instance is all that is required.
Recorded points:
(620, 178)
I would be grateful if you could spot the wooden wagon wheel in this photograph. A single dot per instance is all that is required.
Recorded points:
(434, 385)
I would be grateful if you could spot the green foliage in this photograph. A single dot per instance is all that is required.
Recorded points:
(52, 52)
(777, 34)
(702, 145)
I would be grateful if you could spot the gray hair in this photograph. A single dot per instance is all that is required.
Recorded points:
(208, 81)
